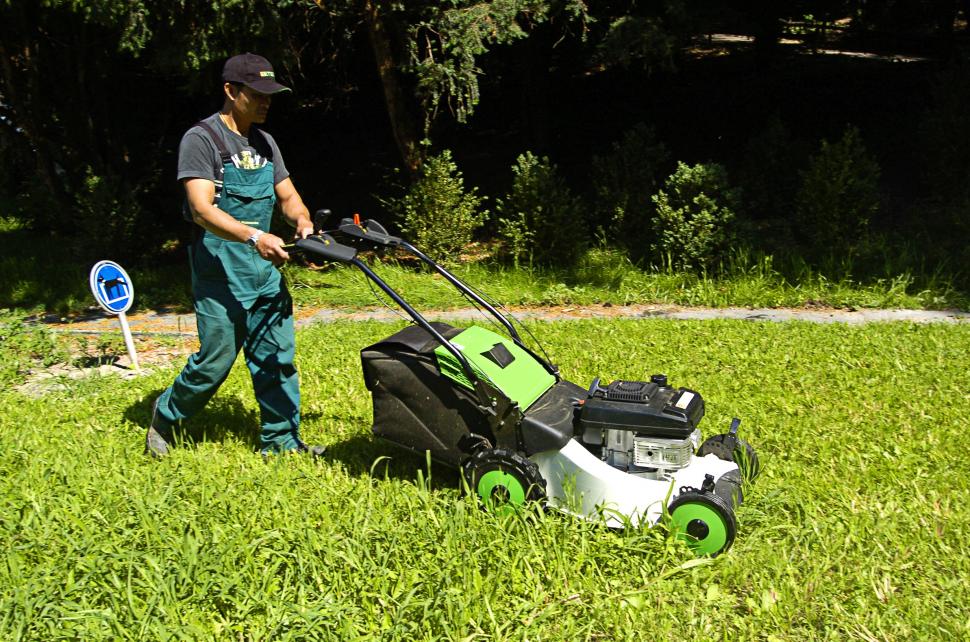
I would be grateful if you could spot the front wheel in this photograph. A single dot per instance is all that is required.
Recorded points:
(704, 521)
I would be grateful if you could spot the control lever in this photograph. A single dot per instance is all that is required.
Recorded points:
(319, 218)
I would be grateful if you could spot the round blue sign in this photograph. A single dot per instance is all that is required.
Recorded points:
(111, 286)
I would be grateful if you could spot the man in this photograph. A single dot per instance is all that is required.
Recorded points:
(233, 174)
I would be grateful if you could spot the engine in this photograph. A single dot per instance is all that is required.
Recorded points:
(642, 427)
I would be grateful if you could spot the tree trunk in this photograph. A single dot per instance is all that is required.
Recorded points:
(399, 111)
(766, 16)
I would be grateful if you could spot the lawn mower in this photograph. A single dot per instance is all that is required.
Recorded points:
(625, 453)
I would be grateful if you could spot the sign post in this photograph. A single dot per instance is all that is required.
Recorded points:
(113, 290)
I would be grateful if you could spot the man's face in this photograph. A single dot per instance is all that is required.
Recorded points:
(248, 104)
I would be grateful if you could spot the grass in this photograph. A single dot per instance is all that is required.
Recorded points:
(36, 278)
(607, 277)
(856, 529)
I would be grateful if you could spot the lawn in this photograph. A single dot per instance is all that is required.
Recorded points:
(857, 529)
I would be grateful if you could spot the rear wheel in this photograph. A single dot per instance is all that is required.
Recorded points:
(704, 521)
(503, 479)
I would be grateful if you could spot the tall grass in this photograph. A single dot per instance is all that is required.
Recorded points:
(607, 276)
(856, 529)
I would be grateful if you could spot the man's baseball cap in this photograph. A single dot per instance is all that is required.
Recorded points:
(253, 71)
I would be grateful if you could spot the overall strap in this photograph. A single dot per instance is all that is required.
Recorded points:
(226, 158)
(224, 154)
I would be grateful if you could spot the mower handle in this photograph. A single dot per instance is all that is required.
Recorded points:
(369, 231)
(324, 246)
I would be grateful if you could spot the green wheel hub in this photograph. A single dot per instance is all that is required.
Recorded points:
(503, 479)
(704, 521)
(497, 487)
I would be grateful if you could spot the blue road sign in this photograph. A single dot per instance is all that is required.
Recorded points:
(111, 287)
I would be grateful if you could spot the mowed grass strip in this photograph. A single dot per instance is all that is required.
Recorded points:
(858, 527)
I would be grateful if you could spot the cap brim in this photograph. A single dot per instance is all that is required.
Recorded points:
(267, 86)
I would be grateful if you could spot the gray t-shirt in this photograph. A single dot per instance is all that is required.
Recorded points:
(199, 157)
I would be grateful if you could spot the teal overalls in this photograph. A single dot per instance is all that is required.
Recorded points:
(241, 302)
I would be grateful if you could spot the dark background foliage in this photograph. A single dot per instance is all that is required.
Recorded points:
(94, 97)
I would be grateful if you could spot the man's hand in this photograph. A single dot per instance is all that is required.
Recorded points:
(293, 208)
(270, 247)
(304, 228)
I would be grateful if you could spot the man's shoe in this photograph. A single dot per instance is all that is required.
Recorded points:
(301, 449)
(314, 451)
(158, 437)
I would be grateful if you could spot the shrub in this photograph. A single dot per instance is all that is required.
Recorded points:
(694, 213)
(624, 180)
(540, 219)
(436, 213)
(769, 171)
(839, 192)
(769, 176)
(106, 217)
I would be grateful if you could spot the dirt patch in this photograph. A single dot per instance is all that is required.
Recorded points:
(152, 353)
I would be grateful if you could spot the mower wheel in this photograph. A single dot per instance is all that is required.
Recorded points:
(743, 454)
(503, 479)
(704, 521)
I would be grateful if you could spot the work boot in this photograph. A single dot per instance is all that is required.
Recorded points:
(301, 449)
(314, 451)
(159, 435)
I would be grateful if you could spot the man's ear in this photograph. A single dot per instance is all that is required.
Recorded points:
(230, 90)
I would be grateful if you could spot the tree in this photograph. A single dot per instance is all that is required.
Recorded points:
(430, 51)
(91, 89)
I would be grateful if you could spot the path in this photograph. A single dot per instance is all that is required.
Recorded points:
(164, 323)
(164, 336)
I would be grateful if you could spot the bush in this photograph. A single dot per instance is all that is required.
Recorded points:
(106, 218)
(692, 228)
(437, 214)
(624, 181)
(769, 171)
(839, 192)
(769, 178)
(541, 221)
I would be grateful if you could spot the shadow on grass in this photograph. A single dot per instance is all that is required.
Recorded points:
(366, 455)
(226, 419)
(222, 419)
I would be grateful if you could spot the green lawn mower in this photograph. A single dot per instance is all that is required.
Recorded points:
(484, 402)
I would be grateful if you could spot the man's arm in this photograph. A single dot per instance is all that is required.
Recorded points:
(293, 208)
(199, 192)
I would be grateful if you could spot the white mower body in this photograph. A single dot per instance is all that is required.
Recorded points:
(580, 483)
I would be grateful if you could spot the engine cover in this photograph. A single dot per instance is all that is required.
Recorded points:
(648, 408)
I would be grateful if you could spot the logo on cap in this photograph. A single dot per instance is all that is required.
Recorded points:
(267, 74)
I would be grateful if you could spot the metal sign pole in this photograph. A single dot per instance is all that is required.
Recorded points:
(129, 343)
